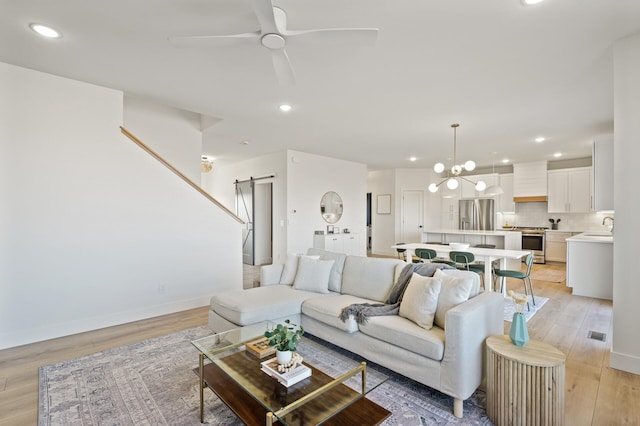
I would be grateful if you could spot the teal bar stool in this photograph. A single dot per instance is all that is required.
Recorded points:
(524, 276)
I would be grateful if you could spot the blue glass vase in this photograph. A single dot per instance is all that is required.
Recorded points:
(519, 334)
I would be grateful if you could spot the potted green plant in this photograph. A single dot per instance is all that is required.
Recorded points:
(285, 337)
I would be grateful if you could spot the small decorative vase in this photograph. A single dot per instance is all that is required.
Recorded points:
(519, 334)
(283, 357)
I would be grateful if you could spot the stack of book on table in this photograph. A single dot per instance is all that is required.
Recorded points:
(260, 348)
(287, 379)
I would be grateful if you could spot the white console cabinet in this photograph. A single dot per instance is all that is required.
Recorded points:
(338, 243)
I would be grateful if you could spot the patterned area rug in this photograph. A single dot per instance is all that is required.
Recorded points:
(509, 308)
(152, 383)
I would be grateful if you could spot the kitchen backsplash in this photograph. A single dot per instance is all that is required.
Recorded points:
(535, 214)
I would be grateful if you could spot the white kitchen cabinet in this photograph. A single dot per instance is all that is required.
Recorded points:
(530, 181)
(449, 218)
(505, 200)
(590, 268)
(556, 246)
(603, 174)
(338, 243)
(569, 190)
(468, 189)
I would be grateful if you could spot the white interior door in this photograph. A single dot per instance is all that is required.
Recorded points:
(412, 216)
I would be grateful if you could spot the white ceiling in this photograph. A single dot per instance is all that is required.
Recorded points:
(506, 72)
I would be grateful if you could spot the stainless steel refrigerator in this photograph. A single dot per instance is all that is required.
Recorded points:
(477, 214)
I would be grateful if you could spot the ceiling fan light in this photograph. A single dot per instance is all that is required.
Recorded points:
(452, 183)
(469, 165)
(433, 188)
(494, 190)
(481, 186)
(438, 168)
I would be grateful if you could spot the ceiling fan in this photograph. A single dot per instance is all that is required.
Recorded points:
(273, 35)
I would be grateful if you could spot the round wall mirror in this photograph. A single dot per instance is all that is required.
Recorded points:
(331, 207)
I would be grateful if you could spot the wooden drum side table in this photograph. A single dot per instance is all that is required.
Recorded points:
(525, 385)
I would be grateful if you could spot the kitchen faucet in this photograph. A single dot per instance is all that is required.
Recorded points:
(604, 219)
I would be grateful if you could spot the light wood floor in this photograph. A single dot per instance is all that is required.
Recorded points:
(596, 394)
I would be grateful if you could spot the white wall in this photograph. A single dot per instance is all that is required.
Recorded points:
(383, 234)
(625, 351)
(309, 177)
(95, 232)
(220, 184)
(172, 133)
(301, 181)
(387, 229)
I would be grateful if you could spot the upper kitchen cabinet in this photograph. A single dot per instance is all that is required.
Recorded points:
(530, 181)
(603, 173)
(570, 190)
(468, 189)
(505, 200)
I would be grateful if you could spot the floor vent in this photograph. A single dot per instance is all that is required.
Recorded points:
(596, 335)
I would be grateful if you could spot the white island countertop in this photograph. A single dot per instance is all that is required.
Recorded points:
(496, 232)
(592, 237)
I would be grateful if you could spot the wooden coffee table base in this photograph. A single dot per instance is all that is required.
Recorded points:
(360, 412)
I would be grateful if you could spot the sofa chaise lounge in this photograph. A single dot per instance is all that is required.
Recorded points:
(312, 291)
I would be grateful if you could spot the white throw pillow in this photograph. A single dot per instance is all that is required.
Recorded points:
(313, 274)
(420, 300)
(291, 267)
(454, 291)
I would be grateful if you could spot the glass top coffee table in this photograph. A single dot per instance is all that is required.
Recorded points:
(234, 375)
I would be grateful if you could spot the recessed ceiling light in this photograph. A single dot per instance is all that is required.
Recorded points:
(539, 139)
(557, 154)
(45, 31)
(245, 142)
(505, 160)
(412, 159)
(531, 2)
(285, 108)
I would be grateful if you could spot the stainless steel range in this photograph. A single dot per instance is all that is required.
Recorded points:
(533, 239)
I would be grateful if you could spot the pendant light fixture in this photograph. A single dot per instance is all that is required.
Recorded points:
(453, 176)
(494, 189)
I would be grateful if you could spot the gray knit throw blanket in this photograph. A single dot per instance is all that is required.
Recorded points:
(362, 311)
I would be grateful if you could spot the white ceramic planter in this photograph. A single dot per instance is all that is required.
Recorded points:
(283, 357)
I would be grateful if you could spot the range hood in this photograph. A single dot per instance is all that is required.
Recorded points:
(530, 199)
(530, 182)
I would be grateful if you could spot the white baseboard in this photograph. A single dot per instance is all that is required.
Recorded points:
(625, 362)
(81, 325)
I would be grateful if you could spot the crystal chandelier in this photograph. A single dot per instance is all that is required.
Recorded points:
(453, 175)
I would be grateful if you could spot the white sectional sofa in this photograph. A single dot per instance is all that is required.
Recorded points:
(448, 358)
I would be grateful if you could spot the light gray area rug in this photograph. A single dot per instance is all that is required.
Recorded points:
(509, 308)
(152, 383)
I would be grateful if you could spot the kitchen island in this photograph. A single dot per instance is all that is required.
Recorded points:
(590, 265)
(508, 240)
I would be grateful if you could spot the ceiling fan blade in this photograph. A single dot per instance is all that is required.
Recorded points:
(333, 37)
(217, 40)
(264, 11)
(282, 67)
